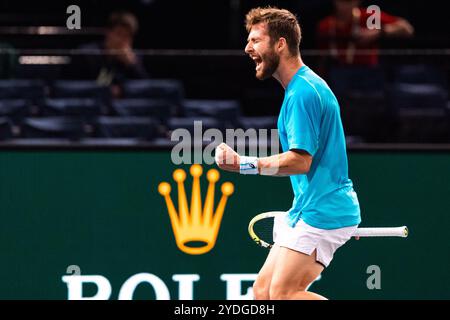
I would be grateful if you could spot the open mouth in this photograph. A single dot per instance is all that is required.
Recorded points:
(258, 61)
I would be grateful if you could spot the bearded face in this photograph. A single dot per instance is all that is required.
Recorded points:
(261, 50)
(266, 64)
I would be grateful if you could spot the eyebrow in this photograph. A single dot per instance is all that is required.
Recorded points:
(253, 38)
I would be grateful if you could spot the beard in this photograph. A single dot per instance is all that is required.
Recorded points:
(270, 63)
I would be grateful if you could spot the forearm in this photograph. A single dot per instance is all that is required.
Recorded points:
(401, 28)
(284, 164)
(289, 163)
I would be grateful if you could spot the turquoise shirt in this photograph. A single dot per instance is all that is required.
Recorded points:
(310, 120)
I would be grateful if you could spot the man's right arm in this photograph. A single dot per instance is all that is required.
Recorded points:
(400, 28)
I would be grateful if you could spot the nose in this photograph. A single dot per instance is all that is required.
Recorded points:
(248, 48)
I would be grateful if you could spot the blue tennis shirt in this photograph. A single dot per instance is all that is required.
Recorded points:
(310, 120)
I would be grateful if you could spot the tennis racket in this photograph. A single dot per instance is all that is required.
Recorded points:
(260, 229)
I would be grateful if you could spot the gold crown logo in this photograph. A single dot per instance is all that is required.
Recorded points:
(196, 225)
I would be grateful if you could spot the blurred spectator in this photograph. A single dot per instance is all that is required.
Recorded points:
(8, 61)
(113, 60)
(345, 32)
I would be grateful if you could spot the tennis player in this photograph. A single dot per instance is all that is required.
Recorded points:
(325, 211)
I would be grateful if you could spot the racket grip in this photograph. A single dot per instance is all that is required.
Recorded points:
(382, 232)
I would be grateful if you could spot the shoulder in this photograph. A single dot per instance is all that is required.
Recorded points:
(304, 97)
(306, 88)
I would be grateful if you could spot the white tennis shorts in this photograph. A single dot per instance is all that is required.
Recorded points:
(305, 238)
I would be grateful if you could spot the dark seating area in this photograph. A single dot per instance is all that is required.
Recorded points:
(77, 110)
(54, 80)
(406, 103)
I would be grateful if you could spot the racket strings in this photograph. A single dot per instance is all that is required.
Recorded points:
(264, 229)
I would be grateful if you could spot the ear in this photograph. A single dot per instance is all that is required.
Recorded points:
(281, 45)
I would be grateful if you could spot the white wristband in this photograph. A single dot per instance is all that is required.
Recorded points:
(248, 165)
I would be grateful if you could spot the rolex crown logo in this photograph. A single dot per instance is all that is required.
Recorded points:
(197, 225)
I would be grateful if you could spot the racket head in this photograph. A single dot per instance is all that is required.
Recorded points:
(260, 228)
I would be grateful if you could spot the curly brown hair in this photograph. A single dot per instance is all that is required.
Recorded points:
(281, 23)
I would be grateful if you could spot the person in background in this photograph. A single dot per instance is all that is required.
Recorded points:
(346, 31)
(113, 60)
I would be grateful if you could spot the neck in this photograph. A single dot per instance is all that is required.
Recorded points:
(287, 69)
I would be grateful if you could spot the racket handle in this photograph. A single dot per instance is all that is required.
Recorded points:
(382, 232)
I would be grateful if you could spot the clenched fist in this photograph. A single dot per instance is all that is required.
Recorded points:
(226, 158)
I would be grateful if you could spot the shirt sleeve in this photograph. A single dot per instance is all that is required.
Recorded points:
(386, 18)
(303, 122)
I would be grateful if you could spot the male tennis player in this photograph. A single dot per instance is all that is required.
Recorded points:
(325, 211)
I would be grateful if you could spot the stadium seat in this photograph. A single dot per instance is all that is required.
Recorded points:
(5, 129)
(39, 71)
(157, 108)
(53, 127)
(171, 90)
(357, 81)
(22, 89)
(247, 137)
(426, 125)
(417, 96)
(420, 74)
(262, 101)
(80, 89)
(86, 108)
(225, 110)
(351, 140)
(14, 108)
(188, 123)
(367, 117)
(127, 127)
(258, 122)
(420, 112)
